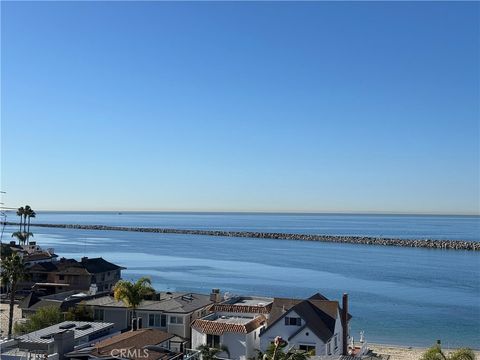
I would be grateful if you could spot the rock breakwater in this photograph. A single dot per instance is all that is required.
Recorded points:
(363, 240)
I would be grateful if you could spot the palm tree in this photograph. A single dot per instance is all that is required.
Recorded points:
(13, 271)
(30, 214)
(210, 353)
(436, 353)
(20, 212)
(21, 236)
(131, 293)
(275, 352)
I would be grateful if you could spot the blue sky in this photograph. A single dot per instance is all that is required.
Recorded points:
(315, 106)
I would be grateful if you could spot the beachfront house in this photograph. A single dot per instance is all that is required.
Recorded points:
(69, 274)
(62, 301)
(169, 312)
(235, 323)
(239, 334)
(315, 325)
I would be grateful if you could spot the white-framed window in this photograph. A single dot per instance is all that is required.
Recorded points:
(157, 320)
(335, 341)
(329, 350)
(176, 320)
(295, 321)
(213, 341)
(310, 349)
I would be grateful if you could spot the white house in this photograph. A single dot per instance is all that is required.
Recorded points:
(240, 333)
(315, 325)
(235, 323)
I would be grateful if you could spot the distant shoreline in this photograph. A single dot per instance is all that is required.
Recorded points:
(361, 240)
(266, 212)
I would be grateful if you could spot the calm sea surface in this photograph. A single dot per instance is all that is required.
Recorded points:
(398, 295)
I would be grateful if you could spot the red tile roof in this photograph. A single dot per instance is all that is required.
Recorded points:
(219, 328)
(250, 309)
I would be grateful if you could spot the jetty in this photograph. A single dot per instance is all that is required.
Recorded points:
(362, 240)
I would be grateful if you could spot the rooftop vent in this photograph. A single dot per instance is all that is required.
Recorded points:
(67, 326)
(84, 327)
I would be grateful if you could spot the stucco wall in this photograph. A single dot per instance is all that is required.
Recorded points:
(116, 316)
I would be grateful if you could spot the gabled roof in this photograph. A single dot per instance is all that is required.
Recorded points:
(45, 266)
(318, 313)
(73, 267)
(316, 317)
(99, 265)
(279, 307)
(29, 300)
(218, 328)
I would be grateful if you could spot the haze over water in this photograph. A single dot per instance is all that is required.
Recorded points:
(398, 295)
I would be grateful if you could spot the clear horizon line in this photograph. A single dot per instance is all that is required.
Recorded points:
(286, 212)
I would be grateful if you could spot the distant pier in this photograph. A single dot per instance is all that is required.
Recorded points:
(363, 240)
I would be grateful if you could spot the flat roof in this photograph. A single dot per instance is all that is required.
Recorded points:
(80, 329)
(241, 320)
(251, 301)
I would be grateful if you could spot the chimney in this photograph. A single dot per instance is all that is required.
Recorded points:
(344, 318)
(64, 342)
(84, 259)
(215, 295)
(93, 289)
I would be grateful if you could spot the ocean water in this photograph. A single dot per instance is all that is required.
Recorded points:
(397, 295)
(396, 226)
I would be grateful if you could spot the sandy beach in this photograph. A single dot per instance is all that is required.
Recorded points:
(404, 353)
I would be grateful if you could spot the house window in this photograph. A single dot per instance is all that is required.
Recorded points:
(329, 350)
(213, 341)
(176, 320)
(61, 277)
(310, 349)
(151, 320)
(296, 321)
(98, 314)
(157, 320)
(335, 340)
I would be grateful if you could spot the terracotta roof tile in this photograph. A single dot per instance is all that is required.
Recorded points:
(219, 328)
(250, 309)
